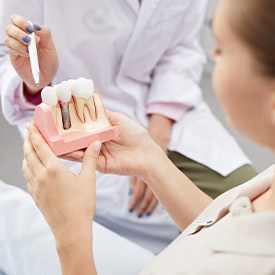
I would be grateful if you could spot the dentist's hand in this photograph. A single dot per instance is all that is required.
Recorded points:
(143, 199)
(66, 200)
(18, 39)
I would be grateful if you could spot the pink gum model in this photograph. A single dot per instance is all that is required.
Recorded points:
(62, 143)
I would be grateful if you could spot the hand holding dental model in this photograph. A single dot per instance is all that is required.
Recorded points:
(72, 116)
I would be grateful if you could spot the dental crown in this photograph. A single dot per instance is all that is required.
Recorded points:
(63, 91)
(82, 87)
(49, 96)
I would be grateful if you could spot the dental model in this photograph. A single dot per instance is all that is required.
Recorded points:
(63, 91)
(71, 116)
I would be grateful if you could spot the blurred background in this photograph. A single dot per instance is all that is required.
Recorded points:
(11, 142)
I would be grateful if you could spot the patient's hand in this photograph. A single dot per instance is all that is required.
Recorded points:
(76, 156)
(66, 200)
(129, 153)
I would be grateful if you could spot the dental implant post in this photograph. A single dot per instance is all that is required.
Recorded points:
(63, 91)
(65, 113)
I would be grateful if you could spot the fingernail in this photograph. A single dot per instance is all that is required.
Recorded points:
(29, 29)
(96, 146)
(130, 192)
(131, 210)
(148, 214)
(26, 39)
(37, 27)
(139, 216)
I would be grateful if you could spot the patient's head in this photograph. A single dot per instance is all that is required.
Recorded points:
(244, 76)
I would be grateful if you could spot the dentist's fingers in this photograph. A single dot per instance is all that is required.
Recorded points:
(21, 23)
(15, 53)
(17, 46)
(44, 34)
(149, 203)
(138, 193)
(16, 33)
(152, 206)
(20, 29)
(133, 182)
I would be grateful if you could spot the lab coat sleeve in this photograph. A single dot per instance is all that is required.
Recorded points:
(176, 77)
(16, 109)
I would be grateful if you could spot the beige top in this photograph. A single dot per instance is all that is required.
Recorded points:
(226, 238)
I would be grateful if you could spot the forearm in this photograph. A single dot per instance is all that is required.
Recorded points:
(182, 199)
(75, 252)
(160, 129)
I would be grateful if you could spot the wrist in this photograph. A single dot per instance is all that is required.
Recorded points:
(157, 121)
(30, 90)
(81, 242)
(76, 256)
(73, 234)
(159, 171)
(160, 129)
(152, 164)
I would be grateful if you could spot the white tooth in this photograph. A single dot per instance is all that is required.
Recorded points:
(91, 107)
(72, 83)
(83, 88)
(63, 91)
(100, 111)
(48, 96)
(79, 103)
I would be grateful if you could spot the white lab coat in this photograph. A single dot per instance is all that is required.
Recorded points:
(138, 57)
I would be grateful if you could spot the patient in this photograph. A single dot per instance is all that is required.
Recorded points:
(234, 233)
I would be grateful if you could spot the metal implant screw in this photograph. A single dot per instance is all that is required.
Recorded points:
(65, 113)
